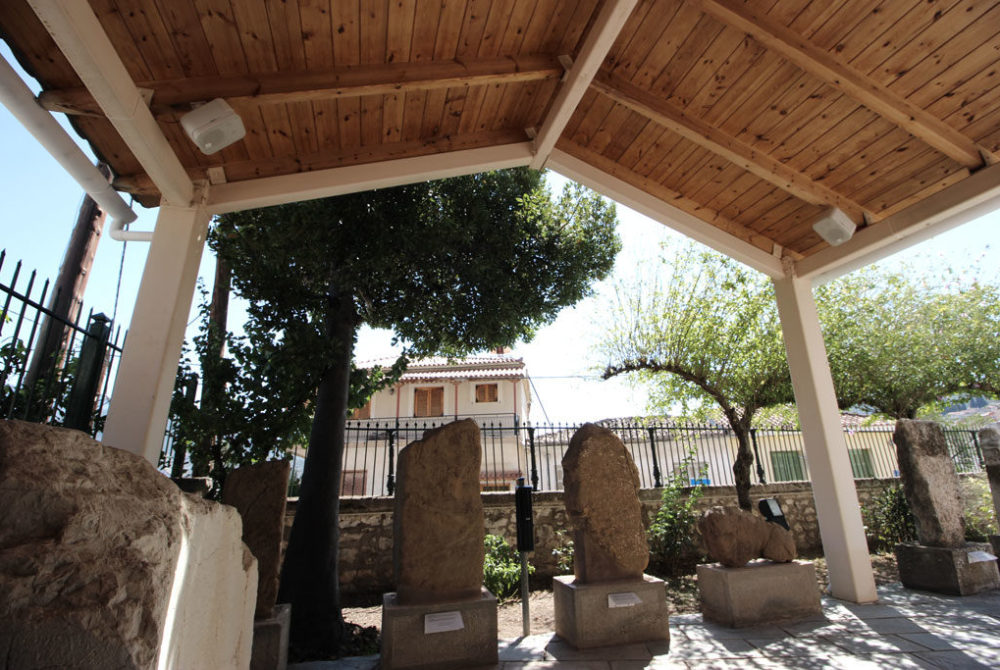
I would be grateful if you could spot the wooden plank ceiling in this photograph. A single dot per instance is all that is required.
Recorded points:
(751, 116)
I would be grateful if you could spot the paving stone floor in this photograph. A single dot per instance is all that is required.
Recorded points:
(905, 629)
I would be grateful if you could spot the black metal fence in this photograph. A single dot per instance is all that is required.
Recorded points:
(52, 369)
(695, 453)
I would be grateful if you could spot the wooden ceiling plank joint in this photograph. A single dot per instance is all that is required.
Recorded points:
(817, 62)
(595, 48)
(720, 143)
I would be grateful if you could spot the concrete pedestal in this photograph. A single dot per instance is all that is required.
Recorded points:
(610, 613)
(758, 593)
(460, 634)
(947, 570)
(270, 640)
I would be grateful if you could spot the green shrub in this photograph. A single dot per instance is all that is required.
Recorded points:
(889, 520)
(980, 516)
(502, 568)
(672, 547)
(563, 553)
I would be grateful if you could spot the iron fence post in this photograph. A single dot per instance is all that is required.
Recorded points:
(531, 452)
(89, 367)
(390, 484)
(979, 450)
(657, 483)
(756, 455)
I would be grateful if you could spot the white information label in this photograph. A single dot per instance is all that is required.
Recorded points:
(442, 622)
(981, 556)
(623, 600)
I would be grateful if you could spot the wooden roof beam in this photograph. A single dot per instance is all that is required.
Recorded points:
(695, 130)
(595, 49)
(595, 172)
(170, 96)
(879, 99)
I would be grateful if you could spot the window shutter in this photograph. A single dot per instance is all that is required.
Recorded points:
(437, 402)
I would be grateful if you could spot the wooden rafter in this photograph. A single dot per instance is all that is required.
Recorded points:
(817, 62)
(595, 48)
(720, 143)
(170, 96)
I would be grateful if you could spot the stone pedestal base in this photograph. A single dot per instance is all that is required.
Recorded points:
(270, 640)
(946, 570)
(610, 613)
(460, 634)
(758, 593)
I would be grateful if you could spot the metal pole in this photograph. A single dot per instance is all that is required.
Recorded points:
(525, 614)
(390, 484)
(534, 464)
(657, 482)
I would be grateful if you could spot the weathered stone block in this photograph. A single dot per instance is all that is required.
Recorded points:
(105, 563)
(602, 501)
(270, 640)
(438, 523)
(930, 483)
(733, 537)
(947, 569)
(610, 613)
(459, 634)
(989, 442)
(759, 593)
(258, 492)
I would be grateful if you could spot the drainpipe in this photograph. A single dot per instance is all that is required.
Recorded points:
(18, 98)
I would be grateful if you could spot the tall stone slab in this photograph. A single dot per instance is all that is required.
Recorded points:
(601, 486)
(440, 616)
(930, 483)
(609, 601)
(989, 442)
(105, 563)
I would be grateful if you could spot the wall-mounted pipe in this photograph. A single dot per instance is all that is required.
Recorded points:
(18, 98)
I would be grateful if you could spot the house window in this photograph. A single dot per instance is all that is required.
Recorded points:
(428, 401)
(362, 412)
(486, 393)
(352, 482)
(861, 463)
(787, 466)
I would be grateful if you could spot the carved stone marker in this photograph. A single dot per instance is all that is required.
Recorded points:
(439, 524)
(105, 563)
(602, 501)
(942, 561)
(440, 616)
(930, 483)
(609, 601)
(734, 537)
(989, 442)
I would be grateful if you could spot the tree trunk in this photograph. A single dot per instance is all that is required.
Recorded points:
(744, 462)
(212, 389)
(310, 574)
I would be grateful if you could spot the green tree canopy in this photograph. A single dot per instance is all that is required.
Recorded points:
(706, 329)
(451, 266)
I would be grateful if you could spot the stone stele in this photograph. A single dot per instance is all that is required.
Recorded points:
(602, 501)
(258, 492)
(734, 537)
(438, 523)
(930, 483)
(105, 563)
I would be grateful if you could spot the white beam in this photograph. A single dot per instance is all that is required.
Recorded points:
(596, 45)
(676, 219)
(141, 398)
(267, 191)
(964, 201)
(837, 508)
(81, 38)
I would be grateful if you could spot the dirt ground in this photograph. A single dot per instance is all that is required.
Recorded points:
(682, 594)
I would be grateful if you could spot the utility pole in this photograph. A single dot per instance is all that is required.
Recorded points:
(67, 293)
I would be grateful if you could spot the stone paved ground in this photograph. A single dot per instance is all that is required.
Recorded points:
(905, 629)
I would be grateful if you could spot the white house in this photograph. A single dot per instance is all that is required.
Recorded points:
(493, 389)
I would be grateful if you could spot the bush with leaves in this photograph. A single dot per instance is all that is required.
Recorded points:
(563, 553)
(502, 568)
(980, 516)
(889, 520)
(672, 546)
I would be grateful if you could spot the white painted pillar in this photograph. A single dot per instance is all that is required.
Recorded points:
(141, 398)
(837, 508)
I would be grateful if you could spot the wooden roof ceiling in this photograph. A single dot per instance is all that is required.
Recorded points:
(751, 116)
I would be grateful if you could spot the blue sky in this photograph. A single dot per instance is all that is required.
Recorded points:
(41, 203)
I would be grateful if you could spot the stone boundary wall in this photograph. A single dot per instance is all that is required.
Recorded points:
(366, 527)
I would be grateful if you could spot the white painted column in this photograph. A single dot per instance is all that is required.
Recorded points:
(141, 398)
(837, 508)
